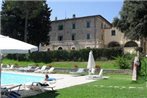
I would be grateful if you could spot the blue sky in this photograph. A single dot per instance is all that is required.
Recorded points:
(66, 8)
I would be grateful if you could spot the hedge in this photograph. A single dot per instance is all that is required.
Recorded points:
(73, 55)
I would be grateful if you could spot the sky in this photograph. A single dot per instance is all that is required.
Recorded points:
(66, 8)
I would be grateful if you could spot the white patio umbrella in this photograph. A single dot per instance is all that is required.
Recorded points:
(91, 62)
(10, 45)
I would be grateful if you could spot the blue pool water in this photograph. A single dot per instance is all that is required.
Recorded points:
(12, 78)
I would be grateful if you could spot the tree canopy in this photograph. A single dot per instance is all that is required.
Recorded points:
(133, 19)
(26, 20)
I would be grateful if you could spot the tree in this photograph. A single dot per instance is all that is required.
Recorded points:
(11, 21)
(133, 20)
(41, 26)
(26, 20)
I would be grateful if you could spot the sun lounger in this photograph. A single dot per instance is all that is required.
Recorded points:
(41, 86)
(41, 70)
(25, 68)
(28, 69)
(50, 70)
(9, 67)
(99, 76)
(11, 92)
(80, 71)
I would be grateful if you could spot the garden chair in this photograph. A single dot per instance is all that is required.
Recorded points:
(99, 76)
(41, 70)
(24, 69)
(11, 92)
(41, 86)
(9, 67)
(80, 71)
(50, 70)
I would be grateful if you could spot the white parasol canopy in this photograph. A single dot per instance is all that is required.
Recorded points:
(91, 62)
(10, 45)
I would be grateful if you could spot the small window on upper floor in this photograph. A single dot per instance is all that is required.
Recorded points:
(88, 36)
(60, 27)
(113, 33)
(88, 24)
(73, 26)
(60, 38)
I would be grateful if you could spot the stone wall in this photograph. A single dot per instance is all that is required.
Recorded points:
(106, 71)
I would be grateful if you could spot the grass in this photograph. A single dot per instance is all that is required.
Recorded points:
(20, 63)
(66, 64)
(117, 86)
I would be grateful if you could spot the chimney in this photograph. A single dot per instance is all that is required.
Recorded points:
(74, 16)
(55, 18)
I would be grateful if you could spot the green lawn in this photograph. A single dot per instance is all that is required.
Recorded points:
(66, 64)
(117, 86)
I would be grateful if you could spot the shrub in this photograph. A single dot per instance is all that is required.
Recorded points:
(63, 55)
(74, 55)
(122, 62)
(41, 57)
(60, 55)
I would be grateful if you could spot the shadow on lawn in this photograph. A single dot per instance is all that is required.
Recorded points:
(48, 94)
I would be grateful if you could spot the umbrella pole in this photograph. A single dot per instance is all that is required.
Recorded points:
(89, 72)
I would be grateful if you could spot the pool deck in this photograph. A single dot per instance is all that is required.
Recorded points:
(63, 81)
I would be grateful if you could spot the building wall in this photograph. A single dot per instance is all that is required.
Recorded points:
(100, 34)
(120, 38)
(80, 32)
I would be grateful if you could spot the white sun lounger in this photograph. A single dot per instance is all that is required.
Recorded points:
(51, 70)
(11, 93)
(41, 86)
(41, 70)
(99, 76)
(80, 71)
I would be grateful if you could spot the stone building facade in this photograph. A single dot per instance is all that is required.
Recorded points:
(86, 32)
(115, 38)
(78, 33)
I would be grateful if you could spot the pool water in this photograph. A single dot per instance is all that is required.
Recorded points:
(12, 78)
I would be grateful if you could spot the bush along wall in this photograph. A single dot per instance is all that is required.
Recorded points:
(73, 55)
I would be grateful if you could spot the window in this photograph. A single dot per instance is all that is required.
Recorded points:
(73, 26)
(113, 33)
(48, 49)
(101, 25)
(88, 24)
(88, 36)
(60, 38)
(60, 27)
(73, 37)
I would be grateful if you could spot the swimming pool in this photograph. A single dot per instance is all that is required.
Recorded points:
(14, 78)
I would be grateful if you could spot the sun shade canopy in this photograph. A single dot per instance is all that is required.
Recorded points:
(10, 45)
